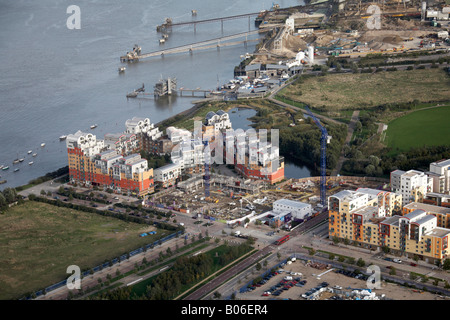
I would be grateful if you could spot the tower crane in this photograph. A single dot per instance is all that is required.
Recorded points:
(323, 157)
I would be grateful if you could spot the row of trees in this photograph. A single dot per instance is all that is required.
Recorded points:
(185, 272)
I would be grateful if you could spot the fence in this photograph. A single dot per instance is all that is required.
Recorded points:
(109, 263)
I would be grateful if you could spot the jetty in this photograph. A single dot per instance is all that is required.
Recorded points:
(201, 45)
(170, 24)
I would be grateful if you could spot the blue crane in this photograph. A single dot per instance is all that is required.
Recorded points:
(207, 161)
(323, 158)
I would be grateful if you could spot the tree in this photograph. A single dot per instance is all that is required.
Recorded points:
(43, 192)
(311, 251)
(258, 266)
(360, 262)
(446, 265)
(393, 272)
(2, 201)
(10, 195)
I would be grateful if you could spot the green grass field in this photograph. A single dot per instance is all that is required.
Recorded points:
(39, 241)
(428, 127)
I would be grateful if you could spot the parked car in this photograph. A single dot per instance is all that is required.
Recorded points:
(413, 264)
(397, 261)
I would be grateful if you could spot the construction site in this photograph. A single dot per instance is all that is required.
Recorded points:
(353, 29)
(232, 199)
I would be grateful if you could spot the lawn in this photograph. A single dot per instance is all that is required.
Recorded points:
(337, 92)
(39, 241)
(428, 127)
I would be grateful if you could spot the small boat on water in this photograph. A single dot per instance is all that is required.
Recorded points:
(29, 151)
(42, 145)
(30, 163)
(93, 126)
(34, 154)
(5, 168)
(61, 138)
(21, 159)
(3, 181)
(16, 161)
(16, 169)
(122, 69)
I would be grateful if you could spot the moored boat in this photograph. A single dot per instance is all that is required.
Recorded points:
(64, 137)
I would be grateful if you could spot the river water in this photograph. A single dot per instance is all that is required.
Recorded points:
(56, 81)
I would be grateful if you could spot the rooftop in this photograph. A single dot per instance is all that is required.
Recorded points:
(393, 221)
(414, 214)
(441, 163)
(427, 207)
(438, 232)
(291, 203)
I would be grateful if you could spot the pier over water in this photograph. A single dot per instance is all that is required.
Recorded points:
(207, 44)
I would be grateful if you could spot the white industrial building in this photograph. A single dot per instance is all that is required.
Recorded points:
(297, 209)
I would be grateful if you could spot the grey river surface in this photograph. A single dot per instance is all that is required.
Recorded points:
(56, 81)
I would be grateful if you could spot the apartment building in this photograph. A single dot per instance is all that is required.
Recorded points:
(166, 176)
(93, 163)
(256, 159)
(412, 185)
(440, 175)
(354, 215)
(441, 213)
(438, 199)
(124, 143)
(340, 212)
(189, 155)
(219, 120)
(144, 130)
